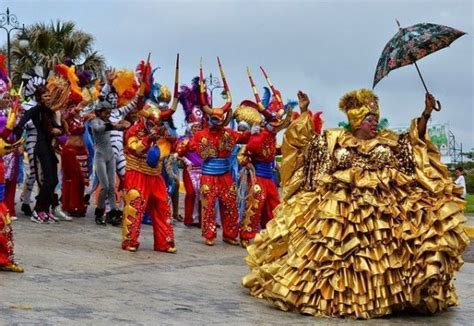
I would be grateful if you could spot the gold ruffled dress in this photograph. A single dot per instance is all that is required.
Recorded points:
(365, 228)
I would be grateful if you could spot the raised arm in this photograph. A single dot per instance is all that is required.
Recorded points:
(430, 104)
(124, 110)
(295, 140)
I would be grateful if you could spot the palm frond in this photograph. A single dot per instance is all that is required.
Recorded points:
(51, 44)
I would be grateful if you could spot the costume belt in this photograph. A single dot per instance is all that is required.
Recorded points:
(264, 169)
(215, 166)
(2, 192)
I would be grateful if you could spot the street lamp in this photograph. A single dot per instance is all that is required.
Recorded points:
(7, 20)
(213, 83)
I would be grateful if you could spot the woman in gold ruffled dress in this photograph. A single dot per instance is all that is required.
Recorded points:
(370, 222)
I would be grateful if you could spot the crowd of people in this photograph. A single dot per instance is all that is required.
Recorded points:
(113, 144)
(369, 220)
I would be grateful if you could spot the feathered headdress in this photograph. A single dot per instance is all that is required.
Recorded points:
(145, 74)
(277, 115)
(91, 93)
(59, 90)
(358, 104)
(189, 99)
(219, 115)
(69, 73)
(126, 86)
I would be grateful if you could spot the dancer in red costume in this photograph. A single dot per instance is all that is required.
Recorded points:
(145, 188)
(214, 144)
(74, 163)
(189, 99)
(259, 153)
(7, 262)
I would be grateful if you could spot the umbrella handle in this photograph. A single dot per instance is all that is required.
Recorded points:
(438, 106)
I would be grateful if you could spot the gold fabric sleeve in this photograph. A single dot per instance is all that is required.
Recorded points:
(295, 141)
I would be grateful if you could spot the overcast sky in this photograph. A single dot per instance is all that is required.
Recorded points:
(325, 48)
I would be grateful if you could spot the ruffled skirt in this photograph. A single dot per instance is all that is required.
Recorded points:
(363, 245)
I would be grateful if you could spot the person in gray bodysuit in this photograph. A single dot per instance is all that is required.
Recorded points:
(104, 161)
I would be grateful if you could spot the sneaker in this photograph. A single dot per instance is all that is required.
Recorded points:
(14, 218)
(39, 217)
(52, 218)
(60, 214)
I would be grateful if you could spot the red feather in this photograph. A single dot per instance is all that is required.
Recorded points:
(317, 122)
(145, 71)
(61, 70)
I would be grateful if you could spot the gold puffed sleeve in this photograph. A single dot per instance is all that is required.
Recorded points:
(430, 172)
(295, 142)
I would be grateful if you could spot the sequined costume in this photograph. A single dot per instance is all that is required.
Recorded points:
(189, 99)
(11, 163)
(260, 151)
(365, 228)
(145, 191)
(7, 262)
(215, 145)
(192, 184)
(6, 233)
(147, 144)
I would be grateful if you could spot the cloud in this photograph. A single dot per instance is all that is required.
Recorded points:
(323, 47)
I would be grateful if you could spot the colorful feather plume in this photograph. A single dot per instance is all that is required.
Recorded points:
(189, 99)
(91, 93)
(146, 74)
(290, 104)
(126, 86)
(59, 90)
(267, 95)
(85, 77)
(70, 74)
(317, 122)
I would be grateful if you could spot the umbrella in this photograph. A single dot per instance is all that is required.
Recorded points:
(412, 43)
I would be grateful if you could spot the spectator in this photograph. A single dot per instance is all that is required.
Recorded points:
(460, 181)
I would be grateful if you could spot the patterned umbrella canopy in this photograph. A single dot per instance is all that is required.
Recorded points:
(411, 44)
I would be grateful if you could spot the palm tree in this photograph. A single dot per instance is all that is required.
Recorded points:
(53, 43)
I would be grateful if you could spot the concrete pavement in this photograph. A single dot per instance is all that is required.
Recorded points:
(76, 274)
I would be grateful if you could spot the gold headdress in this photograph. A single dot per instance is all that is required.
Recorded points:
(358, 104)
(247, 111)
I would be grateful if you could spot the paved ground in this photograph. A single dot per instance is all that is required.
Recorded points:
(77, 274)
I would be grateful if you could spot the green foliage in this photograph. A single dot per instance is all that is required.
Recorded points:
(51, 44)
(470, 203)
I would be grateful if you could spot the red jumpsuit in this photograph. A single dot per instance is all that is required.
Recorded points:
(6, 232)
(145, 191)
(75, 168)
(262, 196)
(191, 181)
(215, 146)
